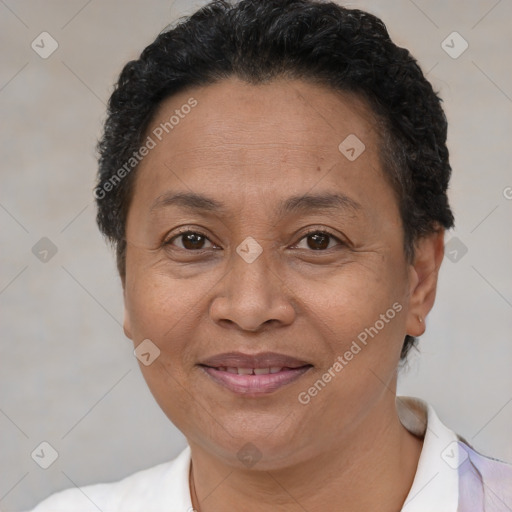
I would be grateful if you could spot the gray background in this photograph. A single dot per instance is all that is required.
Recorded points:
(68, 375)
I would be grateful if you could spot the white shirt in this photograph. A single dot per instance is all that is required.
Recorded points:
(165, 487)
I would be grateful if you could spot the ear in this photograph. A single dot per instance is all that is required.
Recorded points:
(127, 328)
(423, 272)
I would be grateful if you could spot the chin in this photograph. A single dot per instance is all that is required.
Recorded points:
(256, 443)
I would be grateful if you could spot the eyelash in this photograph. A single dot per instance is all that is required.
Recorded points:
(321, 232)
(185, 232)
(305, 235)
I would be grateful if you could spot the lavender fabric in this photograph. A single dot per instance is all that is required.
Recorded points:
(485, 484)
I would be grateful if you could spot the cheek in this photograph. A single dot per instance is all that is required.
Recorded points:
(159, 308)
(358, 290)
(363, 304)
(165, 311)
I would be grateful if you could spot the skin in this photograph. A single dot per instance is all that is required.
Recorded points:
(252, 147)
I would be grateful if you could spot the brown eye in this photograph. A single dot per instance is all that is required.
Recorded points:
(318, 241)
(190, 241)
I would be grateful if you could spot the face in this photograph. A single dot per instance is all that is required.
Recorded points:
(256, 242)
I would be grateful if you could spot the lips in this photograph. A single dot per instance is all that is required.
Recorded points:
(250, 371)
(254, 374)
(262, 360)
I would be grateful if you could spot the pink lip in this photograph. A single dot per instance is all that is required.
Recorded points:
(261, 360)
(253, 385)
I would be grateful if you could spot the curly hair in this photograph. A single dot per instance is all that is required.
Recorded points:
(258, 41)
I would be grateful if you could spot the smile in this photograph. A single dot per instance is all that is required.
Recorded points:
(250, 371)
(254, 381)
(254, 375)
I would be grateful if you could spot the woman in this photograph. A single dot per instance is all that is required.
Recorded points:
(273, 176)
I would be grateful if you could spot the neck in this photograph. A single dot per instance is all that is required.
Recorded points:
(371, 467)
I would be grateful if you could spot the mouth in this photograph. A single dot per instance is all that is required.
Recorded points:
(254, 375)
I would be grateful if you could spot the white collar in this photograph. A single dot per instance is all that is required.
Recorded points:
(436, 483)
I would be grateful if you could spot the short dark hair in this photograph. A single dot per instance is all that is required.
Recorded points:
(260, 40)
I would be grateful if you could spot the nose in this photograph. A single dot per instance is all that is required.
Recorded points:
(252, 297)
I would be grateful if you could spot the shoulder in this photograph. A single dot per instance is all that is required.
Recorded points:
(487, 467)
(451, 475)
(146, 491)
(483, 479)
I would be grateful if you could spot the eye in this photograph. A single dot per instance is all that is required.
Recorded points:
(190, 241)
(318, 241)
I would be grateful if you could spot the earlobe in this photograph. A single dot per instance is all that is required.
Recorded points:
(429, 252)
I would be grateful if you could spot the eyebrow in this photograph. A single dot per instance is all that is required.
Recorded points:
(294, 204)
(187, 200)
(318, 202)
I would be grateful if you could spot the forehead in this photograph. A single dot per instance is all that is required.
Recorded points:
(240, 136)
(288, 111)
